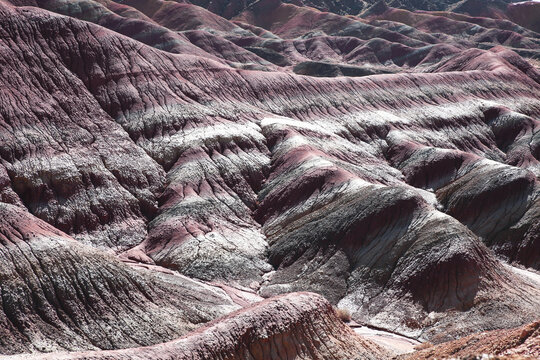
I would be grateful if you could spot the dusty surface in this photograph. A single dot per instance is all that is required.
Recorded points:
(59, 294)
(522, 342)
(299, 325)
(395, 344)
(162, 165)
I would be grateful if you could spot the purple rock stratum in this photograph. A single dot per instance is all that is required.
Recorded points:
(231, 179)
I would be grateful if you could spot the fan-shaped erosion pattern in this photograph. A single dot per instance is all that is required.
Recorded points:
(298, 325)
(165, 167)
(60, 295)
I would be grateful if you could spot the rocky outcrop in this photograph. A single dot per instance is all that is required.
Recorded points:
(300, 325)
(60, 295)
(497, 15)
(172, 138)
(518, 343)
(229, 9)
(525, 13)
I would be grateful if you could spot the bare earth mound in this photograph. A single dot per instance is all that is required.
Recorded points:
(298, 325)
(163, 164)
(522, 342)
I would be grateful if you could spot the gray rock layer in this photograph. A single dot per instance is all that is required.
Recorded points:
(294, 326)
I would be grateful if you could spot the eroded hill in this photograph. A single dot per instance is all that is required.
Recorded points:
(162, 166)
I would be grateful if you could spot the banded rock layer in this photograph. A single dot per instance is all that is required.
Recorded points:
(299, 325)
(389, 163)
(518, 343)
(58, 294)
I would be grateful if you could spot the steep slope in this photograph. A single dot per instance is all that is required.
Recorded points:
(525, 13)
(409, 35)
(522, 342)
(462, 29)
(55, 143)
(299, 325)
(60, 295)
(519, 12)
(229, 9)
(166, 135)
